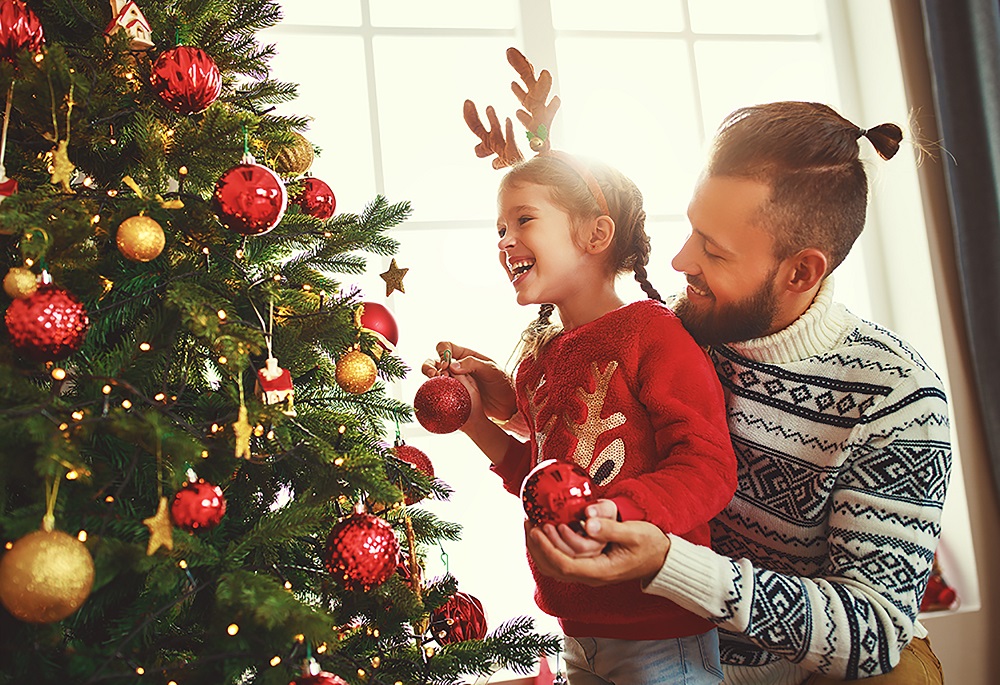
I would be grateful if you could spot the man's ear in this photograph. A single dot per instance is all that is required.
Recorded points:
(602, 232)
(806, 269)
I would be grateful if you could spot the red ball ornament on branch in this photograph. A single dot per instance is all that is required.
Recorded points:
(198, 505)
(321, 678)
(379, 321)
(556, 492)
(316, 198)
(418, 460)
(460, 618)
(362, 552)
(47, 326)
(20, 30)
(442, 404)
(186, 79)
(250, 199)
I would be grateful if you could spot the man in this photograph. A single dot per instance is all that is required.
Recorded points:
(839, 427)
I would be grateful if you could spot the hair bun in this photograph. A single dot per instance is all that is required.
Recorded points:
(885, 138)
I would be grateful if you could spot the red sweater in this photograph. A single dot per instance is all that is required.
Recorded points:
(633, 400)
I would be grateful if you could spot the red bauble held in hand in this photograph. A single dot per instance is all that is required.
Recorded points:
(556, 492)
(460, 618)
(19, 30)
(362, 552)
(47, 326)
(186, 79)
(198, 505)
(249, 198)
(316, 198)
(442, 404)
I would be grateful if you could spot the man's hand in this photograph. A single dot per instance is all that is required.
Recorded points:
(496, 391)
(638, 551)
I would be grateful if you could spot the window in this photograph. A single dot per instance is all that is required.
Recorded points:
(644, 83)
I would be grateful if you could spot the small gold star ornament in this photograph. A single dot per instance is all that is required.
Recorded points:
(61, 168)
(393, 278)
(243, 432)
(161, 530)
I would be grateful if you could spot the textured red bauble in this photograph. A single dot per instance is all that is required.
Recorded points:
(556, 492)
(379, 321)
(19, 30)
(460, 618)
(419, 461)
(442, 404)
(250, 199)
(198, 506)
(186, 79)
(362, 552)
(316, 198)
(49, 325)
(321, 678)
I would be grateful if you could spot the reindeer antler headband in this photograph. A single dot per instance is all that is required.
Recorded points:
(536, 117)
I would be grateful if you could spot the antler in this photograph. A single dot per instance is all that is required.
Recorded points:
(537, 119)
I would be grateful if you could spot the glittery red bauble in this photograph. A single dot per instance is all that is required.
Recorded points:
(199, 505)
(361, 552)
(379, 321)
(250, 199)
(49, 325)
(556, 492)
(321, 678)
(419, 461)
(316, 198)
(442, 404)
(19, 30)
(186, 79)
(460, 618)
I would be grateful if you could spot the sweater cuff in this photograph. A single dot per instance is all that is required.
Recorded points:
(689, 576)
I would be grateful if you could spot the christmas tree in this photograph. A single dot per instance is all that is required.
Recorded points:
(192, 408)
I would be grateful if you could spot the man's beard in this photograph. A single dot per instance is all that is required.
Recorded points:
(744, 320)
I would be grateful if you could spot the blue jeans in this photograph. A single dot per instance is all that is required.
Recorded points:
(690, 660)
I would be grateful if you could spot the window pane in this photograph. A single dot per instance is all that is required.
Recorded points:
(735, 74)
(312, 13)
(793, 17)
(496, 14)
(623, 15)
(427, 149)
(631, 104)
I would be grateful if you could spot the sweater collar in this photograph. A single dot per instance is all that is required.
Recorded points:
(816, 331)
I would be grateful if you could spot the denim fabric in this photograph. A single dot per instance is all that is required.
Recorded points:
(690, 660)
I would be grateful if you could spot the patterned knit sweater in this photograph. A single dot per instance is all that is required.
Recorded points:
(842, 443)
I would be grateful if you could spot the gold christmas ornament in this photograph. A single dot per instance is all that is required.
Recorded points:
(46, 576)
(295, 159)
(161, 529)
(140, 238)
(356, 372)
(393, 278)
(20, 283)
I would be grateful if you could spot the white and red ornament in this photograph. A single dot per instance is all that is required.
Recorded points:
(127, 17)
(313, 675)
(557, 492)
(198, 505)
(250, 199)
(186, 79)
(362, 552)
(274, 387)
(461, 618)
(49, 325)
(442, 404)
(377, 320)
(316, 198)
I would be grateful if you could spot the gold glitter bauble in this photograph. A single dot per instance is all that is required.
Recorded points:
(46, 576)
(296, 158)
(356, 372)
(140, 239)
(20, 283)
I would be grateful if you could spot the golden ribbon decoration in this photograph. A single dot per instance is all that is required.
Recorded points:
(166, 204)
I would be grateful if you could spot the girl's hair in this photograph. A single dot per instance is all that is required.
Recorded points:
(629, 249)
(808, 155)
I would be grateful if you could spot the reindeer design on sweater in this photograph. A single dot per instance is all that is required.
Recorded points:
(603, 467)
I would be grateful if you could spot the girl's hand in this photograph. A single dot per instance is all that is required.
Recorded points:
(578, 546)
(493, 386)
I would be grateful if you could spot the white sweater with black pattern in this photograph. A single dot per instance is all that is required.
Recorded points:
(843, 450)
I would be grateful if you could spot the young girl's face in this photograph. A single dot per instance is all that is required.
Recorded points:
(537, 245)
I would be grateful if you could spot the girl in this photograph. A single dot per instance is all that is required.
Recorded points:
(621, 390)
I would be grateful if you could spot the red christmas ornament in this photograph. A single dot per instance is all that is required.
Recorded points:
(556, 492)
(249, 198)
(378, 321)
(362, 552)
(19, 30)
(442, 404)
(320, 678)
(49, 325)
(316, 198)
(419, 461)
(198, 505)
(186, 79)
(938, 596)
(460, 618)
